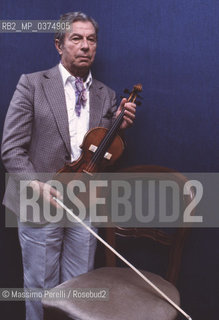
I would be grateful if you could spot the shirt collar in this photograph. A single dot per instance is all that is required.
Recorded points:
(66, 75)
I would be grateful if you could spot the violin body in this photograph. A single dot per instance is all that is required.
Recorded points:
(101, 148)
(91, 143)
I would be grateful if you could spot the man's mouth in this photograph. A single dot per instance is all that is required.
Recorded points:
(84, 57)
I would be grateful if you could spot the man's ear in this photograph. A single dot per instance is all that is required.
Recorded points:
(58, 46)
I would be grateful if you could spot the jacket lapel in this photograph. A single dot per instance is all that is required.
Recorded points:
(54, 91)
(96, 104)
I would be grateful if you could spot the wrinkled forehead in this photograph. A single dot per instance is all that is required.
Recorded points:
(84, 28)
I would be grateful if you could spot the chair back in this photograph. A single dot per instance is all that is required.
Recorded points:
(174, 240)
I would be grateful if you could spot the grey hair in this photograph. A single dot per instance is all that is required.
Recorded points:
(71, 17)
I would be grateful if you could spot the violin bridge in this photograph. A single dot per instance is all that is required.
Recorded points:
(107, 155)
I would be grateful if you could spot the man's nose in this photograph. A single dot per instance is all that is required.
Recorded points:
(84, 44)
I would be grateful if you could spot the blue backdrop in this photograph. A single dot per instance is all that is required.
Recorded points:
(172, 48)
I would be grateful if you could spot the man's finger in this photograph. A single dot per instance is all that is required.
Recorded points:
(129, 114)
(55, 203)
(128, 120)
(122, 103)
(56, 193)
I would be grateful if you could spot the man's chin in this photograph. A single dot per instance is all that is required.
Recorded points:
(84, 63)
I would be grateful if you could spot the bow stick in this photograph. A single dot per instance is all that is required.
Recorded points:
(123, 259)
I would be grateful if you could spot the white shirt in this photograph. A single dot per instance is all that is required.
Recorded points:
(78, 126)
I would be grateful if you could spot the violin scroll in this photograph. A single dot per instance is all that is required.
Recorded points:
(134, 93)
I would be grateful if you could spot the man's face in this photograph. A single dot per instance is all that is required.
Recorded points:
(79, 48)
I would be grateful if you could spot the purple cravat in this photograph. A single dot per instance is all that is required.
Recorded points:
(80, 93)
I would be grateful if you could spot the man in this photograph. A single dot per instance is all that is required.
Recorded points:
(47, 119)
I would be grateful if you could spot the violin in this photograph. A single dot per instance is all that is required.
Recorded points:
(101, 147)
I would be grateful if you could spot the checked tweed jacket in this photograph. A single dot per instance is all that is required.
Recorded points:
(36, 133)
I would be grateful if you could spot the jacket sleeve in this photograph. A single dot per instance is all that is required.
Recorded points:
(17, 132)
(110, 108)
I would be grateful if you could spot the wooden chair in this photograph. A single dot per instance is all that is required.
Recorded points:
(129, 296)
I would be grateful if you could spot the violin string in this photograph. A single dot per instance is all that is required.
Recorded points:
(104, 143)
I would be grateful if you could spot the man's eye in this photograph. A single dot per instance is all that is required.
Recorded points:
(92, 40)
(76, 39)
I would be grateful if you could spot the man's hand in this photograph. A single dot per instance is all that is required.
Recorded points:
(47, 192)
(129, 115)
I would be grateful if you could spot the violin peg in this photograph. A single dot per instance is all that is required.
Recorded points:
(126, 91)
